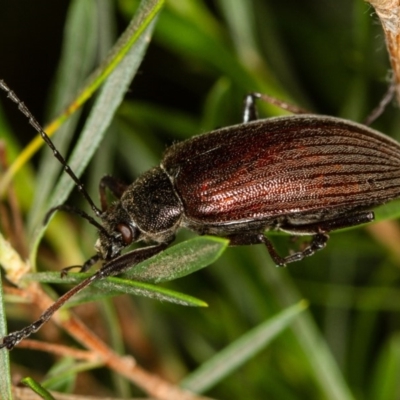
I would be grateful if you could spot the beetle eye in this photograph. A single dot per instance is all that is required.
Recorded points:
(126, 233)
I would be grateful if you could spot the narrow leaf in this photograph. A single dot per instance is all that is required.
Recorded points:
(37, 388)
(180, 260)
(240, 351)
(5, 377)
(175, 262)
(140, 24)
(115, 286)
(78, 57)
(108, 101)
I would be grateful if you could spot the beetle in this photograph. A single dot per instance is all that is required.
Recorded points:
(301, 174)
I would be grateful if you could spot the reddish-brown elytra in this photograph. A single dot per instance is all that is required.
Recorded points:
(302, 174)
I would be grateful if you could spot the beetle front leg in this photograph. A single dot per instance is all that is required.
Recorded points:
(122, 263)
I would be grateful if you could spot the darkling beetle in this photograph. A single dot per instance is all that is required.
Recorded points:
(301, 174)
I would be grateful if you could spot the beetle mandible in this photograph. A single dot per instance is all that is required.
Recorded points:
(301, 174)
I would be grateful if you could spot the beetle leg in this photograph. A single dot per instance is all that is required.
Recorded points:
(318, 242)
(318, 230)
(81, 268)
(320, 236)
(114, 185)
(258, 238)
(380, 108)
(250, 109)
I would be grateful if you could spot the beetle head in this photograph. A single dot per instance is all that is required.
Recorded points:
(119, 231)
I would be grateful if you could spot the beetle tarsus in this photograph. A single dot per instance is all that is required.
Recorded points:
(318, 242)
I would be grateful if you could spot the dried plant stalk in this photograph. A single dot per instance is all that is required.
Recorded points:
(388, 12)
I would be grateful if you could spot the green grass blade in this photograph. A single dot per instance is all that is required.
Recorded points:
(37, 388)
(106, 104)
(115, 286)
(385, 382)
(110, 97)
(5, 376)
(323, 365)
(180, 260)
(388, 211)
(173, 263)
(147, 11)
(240, 351)
(65, 372)
(77, 60)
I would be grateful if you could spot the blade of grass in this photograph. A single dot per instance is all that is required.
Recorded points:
(115, 286)
(66, 371)
(108, 101)
(173, 263)
(385, 380)
(77, 60)
(146, 14)
(240, 351)
(5, 372)
(240, 20)
(180, 260)
(61, 381)
(388, 211)
(323, 365)
(37, 388)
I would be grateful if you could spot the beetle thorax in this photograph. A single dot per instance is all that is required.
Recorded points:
(153, 206)
(149, 210)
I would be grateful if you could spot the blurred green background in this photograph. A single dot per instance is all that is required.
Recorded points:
(327, 56)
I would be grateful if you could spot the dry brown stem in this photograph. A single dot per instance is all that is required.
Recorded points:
(20, 393)
(388, 12)
(126, 366)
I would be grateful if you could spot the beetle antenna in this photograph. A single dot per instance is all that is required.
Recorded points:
(77, 211)
(33, 122)
(14, 338)
(114, 267)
